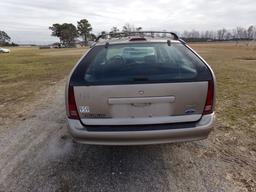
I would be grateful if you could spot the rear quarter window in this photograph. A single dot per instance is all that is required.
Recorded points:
(133, 63)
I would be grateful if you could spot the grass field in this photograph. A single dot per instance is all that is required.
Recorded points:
(235, 70)
(26, 71)
(233, 139)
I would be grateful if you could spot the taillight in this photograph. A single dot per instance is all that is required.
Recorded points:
(208, 108)
(72, 110)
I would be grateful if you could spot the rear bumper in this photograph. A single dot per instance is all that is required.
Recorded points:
(200, 130)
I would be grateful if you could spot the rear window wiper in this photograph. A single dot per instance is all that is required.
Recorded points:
(140, 79)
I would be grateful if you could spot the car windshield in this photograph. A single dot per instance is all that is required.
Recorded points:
(134, 62)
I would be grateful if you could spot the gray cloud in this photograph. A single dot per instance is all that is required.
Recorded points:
(28, 21)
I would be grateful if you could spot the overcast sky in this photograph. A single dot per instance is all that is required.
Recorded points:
(27, 21)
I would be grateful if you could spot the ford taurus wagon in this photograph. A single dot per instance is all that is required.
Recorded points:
(140, 89)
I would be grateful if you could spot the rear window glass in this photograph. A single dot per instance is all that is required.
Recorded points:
(141, 62)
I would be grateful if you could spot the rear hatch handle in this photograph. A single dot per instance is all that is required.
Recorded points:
(141, 100)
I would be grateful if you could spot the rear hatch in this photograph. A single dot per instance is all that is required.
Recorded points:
(140, 83)
(141, 104)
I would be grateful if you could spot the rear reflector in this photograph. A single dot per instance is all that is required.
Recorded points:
(208, 108)
(72, 110)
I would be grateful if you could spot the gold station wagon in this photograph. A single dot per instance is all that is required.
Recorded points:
(140, 88)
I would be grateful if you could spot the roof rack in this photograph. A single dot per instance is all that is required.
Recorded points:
(133, 33)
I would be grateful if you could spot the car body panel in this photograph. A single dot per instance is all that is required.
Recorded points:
(176, 106)
(200, 131)
(152, 103)
(212, 74)
(4, 50)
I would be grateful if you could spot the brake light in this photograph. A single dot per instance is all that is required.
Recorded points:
(72, 110)
(138, 39)
(208, 108)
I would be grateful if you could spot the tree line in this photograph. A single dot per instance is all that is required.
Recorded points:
(238, 33)
(68, 32)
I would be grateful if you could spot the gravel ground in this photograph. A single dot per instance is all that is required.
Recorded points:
(37, 154)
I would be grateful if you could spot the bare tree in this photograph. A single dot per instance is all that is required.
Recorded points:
(128, 27)
(221, 33)
(241, 33)
(251, 31)
(114, 30)
(228, 36)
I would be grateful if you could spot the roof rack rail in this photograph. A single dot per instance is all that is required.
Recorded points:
(140, 33)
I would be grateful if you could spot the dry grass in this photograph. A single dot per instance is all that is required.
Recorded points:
(26, 71)
(233, 140)
(235, 70)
